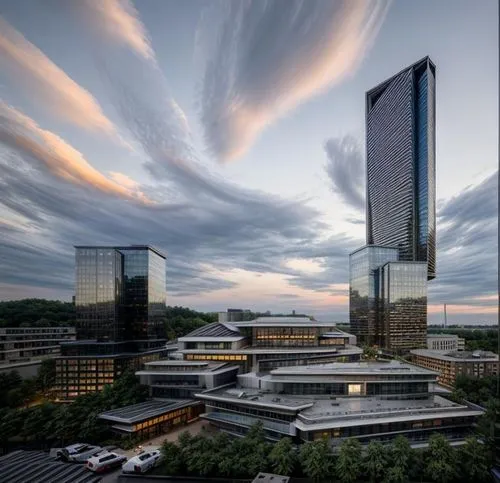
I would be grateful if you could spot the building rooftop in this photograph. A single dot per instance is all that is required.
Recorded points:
(146, 410)
(255, 397)
(128, 247)
(38, 466)
(189, 368)
(283, 321)
(354, 411)
(215, 329)
(270, 478)
(335, 368)
(457, 356)
(454, 336)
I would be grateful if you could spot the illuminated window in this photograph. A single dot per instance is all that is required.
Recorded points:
(354, 389)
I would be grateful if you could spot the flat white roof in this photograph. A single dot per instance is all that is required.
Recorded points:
(349, 350)
(283, 321)
(459, 356)
(361, 368)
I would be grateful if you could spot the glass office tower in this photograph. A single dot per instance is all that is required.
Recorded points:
(364, 299)
(400, 155)
(120, 306)
(403, 296)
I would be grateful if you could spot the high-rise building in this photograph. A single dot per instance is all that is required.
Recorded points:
(120, 313)
(400, 161)
(388, 277)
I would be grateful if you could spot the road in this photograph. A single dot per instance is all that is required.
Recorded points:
(155, 443)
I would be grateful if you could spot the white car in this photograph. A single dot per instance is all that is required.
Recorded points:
(105, 461)
(143, 462)
(79, 453)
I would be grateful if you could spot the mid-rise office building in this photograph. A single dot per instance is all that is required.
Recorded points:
(369, 401)
(445, 342)
(120, 317)
(388, 293)
(450, 364)
(22, 344)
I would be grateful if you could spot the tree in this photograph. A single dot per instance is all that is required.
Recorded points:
(489, 427)
(400, 460)
(316, 460)
(46, 377)
(440, 462)
(375, 461)
(283, 457)
(369, 353)
(172, 463)
(474, 461)
(349, 466)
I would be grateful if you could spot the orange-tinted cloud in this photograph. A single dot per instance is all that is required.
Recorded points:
(49, 85)
(20, 132)
(119, 21)
(267, 60)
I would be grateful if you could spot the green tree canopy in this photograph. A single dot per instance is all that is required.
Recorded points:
(349, 461)
(440, 465)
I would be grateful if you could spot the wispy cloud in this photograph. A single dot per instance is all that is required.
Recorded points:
(346, 169)
(47, 84)
(47, 150)
(269, 56)
(120, 22)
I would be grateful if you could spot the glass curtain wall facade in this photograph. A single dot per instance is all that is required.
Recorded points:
(364, 301)
(404, 305)
(98, 298)
(144, 280)
(400, 153)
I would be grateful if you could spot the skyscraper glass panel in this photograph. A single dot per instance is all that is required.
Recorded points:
(364, 292)
(400, 153)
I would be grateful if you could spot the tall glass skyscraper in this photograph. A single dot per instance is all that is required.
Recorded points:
(388, 277)
(400, 161)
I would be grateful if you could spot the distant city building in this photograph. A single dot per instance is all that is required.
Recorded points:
(450, 364)
(388, 290)
(234, 315)
(368, 401)
(400, 161)
(269, 342)
(22, 344)
(445, 342)
(120, 317)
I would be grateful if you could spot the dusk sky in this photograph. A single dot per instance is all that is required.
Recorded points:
(231, 136)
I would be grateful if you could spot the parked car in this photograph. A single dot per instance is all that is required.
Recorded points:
(143, 462)
(78, 453)
(105, 461)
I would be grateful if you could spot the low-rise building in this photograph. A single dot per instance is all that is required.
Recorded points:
(445, 342)
(269, 342)
(449, 364)
(369, 401)
(22, 344)
(182, 379)
(151, 418)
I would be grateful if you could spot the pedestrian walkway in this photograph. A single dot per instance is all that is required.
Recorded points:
(155, 443)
